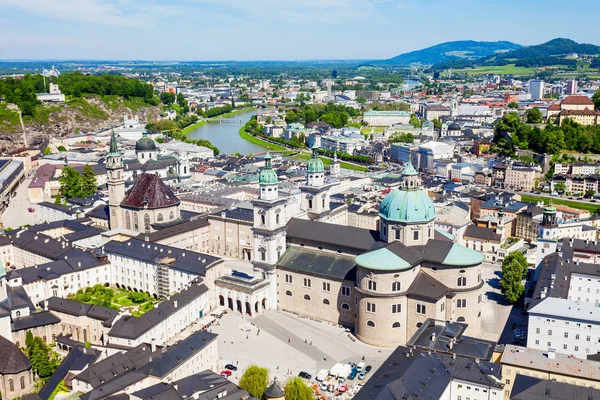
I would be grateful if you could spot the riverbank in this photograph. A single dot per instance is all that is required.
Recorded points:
(259, 142)
(198, 124)
(328, 161)
(191, 127)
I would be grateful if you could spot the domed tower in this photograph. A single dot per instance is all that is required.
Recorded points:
(407, 213)
(315, 193)
(116, 183)
(334, 169)
(547, 237)
(145, 148)
(269, 229)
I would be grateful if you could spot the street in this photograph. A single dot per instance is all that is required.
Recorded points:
(16, 214)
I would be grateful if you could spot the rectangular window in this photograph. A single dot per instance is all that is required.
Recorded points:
(397, 234)
(416, 235)
(577, 336)
(307, 282)
(421, 309)
(370, 307)
(288, 278)
(345, 291)
(549, 332)
(564, 346)
(537, 330)
(326, 287)
(396, 308)
(576, 348)
(461, 303)
(566, 335)
(372, 285)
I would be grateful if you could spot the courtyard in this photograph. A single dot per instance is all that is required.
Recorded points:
(138, 303)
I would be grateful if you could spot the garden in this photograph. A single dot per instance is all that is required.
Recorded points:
(138, 303)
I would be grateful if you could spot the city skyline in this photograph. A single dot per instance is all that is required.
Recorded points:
(205, 30)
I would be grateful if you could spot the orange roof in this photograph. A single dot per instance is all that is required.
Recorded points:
(578, 100)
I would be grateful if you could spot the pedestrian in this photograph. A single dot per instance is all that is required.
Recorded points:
(311, 342)
(246, 337)
(237, 363)
(278, 368)
(288, 340)
(305, 340)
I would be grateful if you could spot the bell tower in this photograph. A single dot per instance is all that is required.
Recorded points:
(269, 229)
(115, 183)
(547, 237)
(315, 193)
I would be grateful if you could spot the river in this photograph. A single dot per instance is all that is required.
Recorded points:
(225, 134)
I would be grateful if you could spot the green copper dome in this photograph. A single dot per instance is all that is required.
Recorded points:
(410, 203)
(408, 206)
(315, 164)
(145, 144)
(267, 175)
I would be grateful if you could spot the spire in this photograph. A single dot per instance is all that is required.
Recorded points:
(268, 161)
(114, 151)
(335, 155)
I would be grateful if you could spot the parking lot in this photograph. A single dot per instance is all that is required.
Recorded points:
(287, 345)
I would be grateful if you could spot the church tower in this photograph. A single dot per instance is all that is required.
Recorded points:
(334, 169)
(5, 326)
(115, 183)
(269, 229)
(315, 193)
(183, 165)
(547, 237)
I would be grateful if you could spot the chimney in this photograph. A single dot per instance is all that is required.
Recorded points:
(175, 303)
(153, 346)
(551, 354)
(147, 238)
(433, 337)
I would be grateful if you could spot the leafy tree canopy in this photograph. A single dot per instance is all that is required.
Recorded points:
(255, 380)
(296, 389)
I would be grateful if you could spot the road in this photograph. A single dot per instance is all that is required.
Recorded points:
(16, 213)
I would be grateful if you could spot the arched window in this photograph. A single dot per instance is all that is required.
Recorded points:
(326, 302)
(135, 221)
(277, 218)
(460, 319)
(419, 324)
(306, 297)
(147, 222)
(159, 217)
(345, 306)
(309, 203)
(127, 220)
(262, 219)
(371, 324)
(171, 216)
(22, 383)
(323, 203)
(462, 281)
(396, 286)
(11, 385)
(18, 313)
(396, 325)
(288, 293)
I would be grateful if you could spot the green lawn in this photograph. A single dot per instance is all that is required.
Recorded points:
(191, 127)
(509, 69)
(9, 120)
(371, 129)
(592, 208)
(327, 161)
(259, 142)
(87, 109)
(138, 302)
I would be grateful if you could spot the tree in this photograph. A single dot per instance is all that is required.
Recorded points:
(62, 148)
(596, 99)
(255, 380)
(296, 389)
(534, 116)
(70, 182)
(28, 339)
(560, 187)
(415, 121)
(167, 98)
(401, 138)
(511, 286)
(361, 100)
(520, 258)
(47, 150)
(437, 124)
(58, 199)
(513, 104)
(590, 193)
(88, 182)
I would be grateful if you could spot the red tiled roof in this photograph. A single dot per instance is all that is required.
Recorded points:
(554, 107)
(579, 100)
(587, 111)
(149, 192)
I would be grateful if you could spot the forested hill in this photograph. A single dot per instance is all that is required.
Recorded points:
(463, 49)
(545, 54)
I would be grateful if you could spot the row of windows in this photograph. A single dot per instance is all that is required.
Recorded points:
(326, 285)
(565, 347)
(566, 335)
(11, 384)
(372, 286)
(371, 324)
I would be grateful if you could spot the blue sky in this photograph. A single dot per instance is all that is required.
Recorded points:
(276, 29)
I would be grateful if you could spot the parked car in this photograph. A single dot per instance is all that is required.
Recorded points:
(31, 209)
(304, 375)
(368, 368)
(343, 389)
(362, 375)
(226, 373)
(231, 367)
(353, 374)
(361, 365)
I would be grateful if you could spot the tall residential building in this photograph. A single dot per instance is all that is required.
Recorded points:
(536, 89)
(571, 86)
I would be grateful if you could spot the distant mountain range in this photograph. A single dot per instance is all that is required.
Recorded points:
(554, 52)
(458, 50)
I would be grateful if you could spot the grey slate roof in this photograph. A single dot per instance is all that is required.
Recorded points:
(76, 308)
(426, 287)
(530, 388)
(240, 214)
(99, 212)
(177, 229)
(482, 233)
(274, 390)
(41, 318)
(13, 360)
(333, 235)
(318, 263)
(185, 260)
(130, 327)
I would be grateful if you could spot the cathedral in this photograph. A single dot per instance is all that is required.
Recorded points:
(382, 284)
(148, 202)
